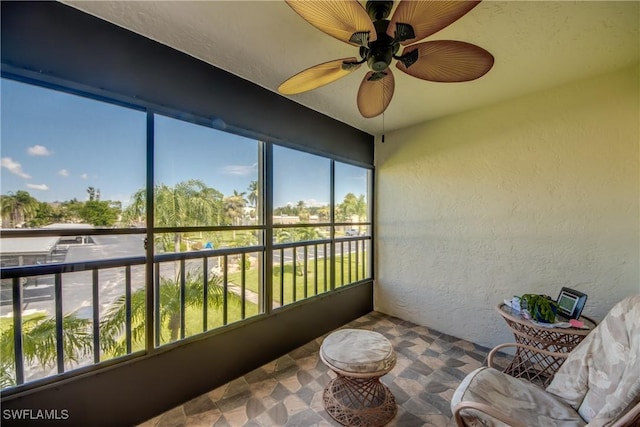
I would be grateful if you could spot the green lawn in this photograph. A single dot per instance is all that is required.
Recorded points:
(295, 293)
(193, 316)
(194, 320)
(220, 239)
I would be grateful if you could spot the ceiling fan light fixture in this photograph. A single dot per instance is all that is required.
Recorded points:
(379, 59)
(381, 51)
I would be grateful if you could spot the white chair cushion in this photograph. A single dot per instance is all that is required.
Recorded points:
(601, 377)
(514, 397)
(358, 351)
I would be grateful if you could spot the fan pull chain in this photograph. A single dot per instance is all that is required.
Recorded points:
(383, 111)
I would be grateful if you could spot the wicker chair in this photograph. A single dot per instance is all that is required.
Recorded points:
(597, 385)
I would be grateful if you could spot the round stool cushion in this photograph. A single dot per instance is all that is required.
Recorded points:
(358, 351)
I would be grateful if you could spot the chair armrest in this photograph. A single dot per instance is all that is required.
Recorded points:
(493, 352)
(492, 412)
(630, 419)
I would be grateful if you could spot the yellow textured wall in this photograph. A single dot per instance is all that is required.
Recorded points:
(528, 195)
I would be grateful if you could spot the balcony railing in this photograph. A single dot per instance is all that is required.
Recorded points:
(298, 271)
(17, 275)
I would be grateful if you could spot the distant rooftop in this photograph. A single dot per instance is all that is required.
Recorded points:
(67, 226)
(28, 245)
(14, 246)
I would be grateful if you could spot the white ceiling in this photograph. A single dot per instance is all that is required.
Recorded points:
(536, 45)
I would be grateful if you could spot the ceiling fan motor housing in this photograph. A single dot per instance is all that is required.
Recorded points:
(382, 50)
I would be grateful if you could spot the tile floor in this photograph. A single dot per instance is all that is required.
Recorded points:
(288, 391)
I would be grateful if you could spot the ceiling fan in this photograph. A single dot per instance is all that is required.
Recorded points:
(379, 40)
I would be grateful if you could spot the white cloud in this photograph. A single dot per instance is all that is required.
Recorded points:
(84, 176)
(39, 150)
(240, 170)
(42, 187)
(63, 172)
(14, 167)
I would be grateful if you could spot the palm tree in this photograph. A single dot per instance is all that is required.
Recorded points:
(340, 213)
(39, 331)
(45, 214)
(134, 214)
(285, 235)
(307, 233)
(93, 194)
(70, 210)
(253, 195)
(349, 205)
(234, 207)
(189, 203)
(18, 208)
(39, 343)
(296, 234)
(323, 213)
(302, 211)
(361, 209)
(113, 322)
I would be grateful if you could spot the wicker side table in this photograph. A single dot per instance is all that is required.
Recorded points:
(356, 397)
(537, 367)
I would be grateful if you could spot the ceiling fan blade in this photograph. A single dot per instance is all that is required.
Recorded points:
(427, 17)
(447, 61)
(345, 20)
(375, 93)
(319, 75)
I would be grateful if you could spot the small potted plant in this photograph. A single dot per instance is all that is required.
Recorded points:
(541, 307)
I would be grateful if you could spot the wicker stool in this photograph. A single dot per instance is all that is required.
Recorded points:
(356, 397)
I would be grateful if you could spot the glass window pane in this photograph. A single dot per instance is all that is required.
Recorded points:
(71, 164)
(203, 176)
(302, 194)
(301, 187)
(352, 198)
(353, 229)
(68, 162)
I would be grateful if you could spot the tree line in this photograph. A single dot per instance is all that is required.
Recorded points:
(21, 209)
(188, 203)
(351, 206)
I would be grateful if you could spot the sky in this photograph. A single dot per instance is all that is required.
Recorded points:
(55, 145)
